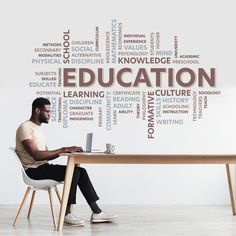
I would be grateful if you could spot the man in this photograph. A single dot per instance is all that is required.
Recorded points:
(34, 155)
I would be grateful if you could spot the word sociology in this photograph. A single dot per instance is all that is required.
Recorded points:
(128, 77)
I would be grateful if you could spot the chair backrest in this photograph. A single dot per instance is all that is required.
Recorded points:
(39, 184)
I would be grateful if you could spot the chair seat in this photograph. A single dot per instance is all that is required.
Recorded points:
(40, 184)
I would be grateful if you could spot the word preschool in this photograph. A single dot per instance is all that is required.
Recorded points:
(184, 77)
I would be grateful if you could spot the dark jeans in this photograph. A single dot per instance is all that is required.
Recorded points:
(57, 172)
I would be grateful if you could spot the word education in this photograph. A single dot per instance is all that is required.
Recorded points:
(126, 77)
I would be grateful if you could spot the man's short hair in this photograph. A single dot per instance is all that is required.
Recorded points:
(40, 103)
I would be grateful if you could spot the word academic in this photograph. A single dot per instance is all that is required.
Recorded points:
(126, 77)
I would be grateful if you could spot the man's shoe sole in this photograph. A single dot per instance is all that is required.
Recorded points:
(74, 225)
(104, 220)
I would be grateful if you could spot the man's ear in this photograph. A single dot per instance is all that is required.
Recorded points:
(37, 110)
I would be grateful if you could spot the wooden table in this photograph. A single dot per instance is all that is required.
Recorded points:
(75, 159)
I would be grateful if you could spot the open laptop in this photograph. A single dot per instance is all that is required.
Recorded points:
(89, 144)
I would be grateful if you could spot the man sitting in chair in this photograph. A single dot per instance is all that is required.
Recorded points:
(34, 155)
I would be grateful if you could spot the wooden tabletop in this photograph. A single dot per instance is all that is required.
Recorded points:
(102, 158)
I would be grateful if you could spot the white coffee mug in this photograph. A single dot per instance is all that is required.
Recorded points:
(110, 148)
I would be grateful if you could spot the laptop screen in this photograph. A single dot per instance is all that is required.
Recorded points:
(89, 140)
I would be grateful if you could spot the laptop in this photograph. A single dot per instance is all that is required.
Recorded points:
(89, 141)
(89, 144)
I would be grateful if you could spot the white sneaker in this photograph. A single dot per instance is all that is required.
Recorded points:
(102, 217)
(72, 220)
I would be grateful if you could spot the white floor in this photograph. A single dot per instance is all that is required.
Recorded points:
(135, 220)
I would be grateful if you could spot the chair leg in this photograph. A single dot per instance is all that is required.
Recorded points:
(52, 208)
(21, 205)
(31, 204)
(58, 194)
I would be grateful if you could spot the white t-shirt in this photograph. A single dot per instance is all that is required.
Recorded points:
(29, 130)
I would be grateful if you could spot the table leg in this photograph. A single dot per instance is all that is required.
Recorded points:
(230, 176)
(66, 189)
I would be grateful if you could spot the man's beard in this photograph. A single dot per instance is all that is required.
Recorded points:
(43, 119)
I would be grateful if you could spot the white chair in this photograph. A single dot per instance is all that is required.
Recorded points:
(45, 184)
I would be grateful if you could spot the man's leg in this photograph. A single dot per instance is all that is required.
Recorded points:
(91, 197)
(82, 179)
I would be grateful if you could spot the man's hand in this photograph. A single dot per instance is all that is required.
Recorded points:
(73, 149)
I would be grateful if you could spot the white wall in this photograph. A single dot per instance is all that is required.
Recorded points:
(204, 27)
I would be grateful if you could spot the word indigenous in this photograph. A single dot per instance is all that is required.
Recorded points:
(126, 77)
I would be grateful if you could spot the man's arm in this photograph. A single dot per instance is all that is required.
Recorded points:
(38, 155)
